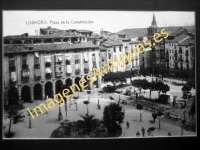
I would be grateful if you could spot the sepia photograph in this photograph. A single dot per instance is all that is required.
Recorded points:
(91, 74)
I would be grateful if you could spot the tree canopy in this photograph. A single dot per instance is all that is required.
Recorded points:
(113, 116)
(115, 77)
(186, 88)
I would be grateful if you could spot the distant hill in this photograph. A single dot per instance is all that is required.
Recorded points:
(137, 32)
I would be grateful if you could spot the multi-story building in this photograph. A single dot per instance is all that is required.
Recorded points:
(179, 53)
(39, 65)
(158, 49)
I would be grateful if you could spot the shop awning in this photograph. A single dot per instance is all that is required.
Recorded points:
(48, 70)
(69, 69)
(59, 58)
(37, 54)
(47, 60)
(68, 58)
(13, 76)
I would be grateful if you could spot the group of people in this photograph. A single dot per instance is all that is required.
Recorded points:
(149, 133)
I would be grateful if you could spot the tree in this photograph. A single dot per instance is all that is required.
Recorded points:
(115, 77)
(130, 73)
(186, 88)
(143, 72)
(191, 82)
(140, 84)
(88, 122)
(13, 111)
(13, 96)
(161, 87)
(113, 116)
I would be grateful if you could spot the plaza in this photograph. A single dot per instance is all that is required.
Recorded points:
(43, 125)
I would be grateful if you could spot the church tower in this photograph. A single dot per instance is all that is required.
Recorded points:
(153, 28)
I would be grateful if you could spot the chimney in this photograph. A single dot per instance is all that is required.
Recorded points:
(48, 28)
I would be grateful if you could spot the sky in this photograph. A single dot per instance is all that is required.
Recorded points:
(19, 22)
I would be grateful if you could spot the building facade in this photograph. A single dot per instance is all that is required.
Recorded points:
(39, 65)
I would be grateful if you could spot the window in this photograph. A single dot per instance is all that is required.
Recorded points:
(114, 49)
(12, 67)
(170, 57)
(142, 58)
(170, 51)
(120, 49)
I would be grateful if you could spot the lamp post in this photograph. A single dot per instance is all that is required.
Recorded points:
(60, 114)
(183, 122)
(46, 105)
(89, 95)
(98, 98)
(86, 102)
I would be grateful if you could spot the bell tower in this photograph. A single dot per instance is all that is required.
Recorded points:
(153, 28)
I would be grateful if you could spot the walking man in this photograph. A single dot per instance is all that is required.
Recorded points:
(143, 131)
(128, 124)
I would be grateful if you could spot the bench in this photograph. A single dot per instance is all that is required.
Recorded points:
(172, 116)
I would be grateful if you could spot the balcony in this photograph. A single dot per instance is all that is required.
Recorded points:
(186, 61)
(77, 71)
(175, 54)
(37, 78)
(86, 70)
(180, 59)
(48, 76)
(25, 75)
(58, 74)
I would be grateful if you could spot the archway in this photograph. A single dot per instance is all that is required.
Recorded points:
(77, 82)
(37, 92)
(26, 93)
(87, 83)
(58, 86)
(48, 89)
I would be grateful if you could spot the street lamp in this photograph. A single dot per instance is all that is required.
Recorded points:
(98, 98)
(86, 102)
(60, 114)
(89, 95)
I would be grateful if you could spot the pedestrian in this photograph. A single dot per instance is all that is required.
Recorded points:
(143, 131)
(189, 113)
(138, 134)
(149, 132)
(169, 134)
(128, 124)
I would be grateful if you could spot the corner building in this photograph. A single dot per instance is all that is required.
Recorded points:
(39, 65)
